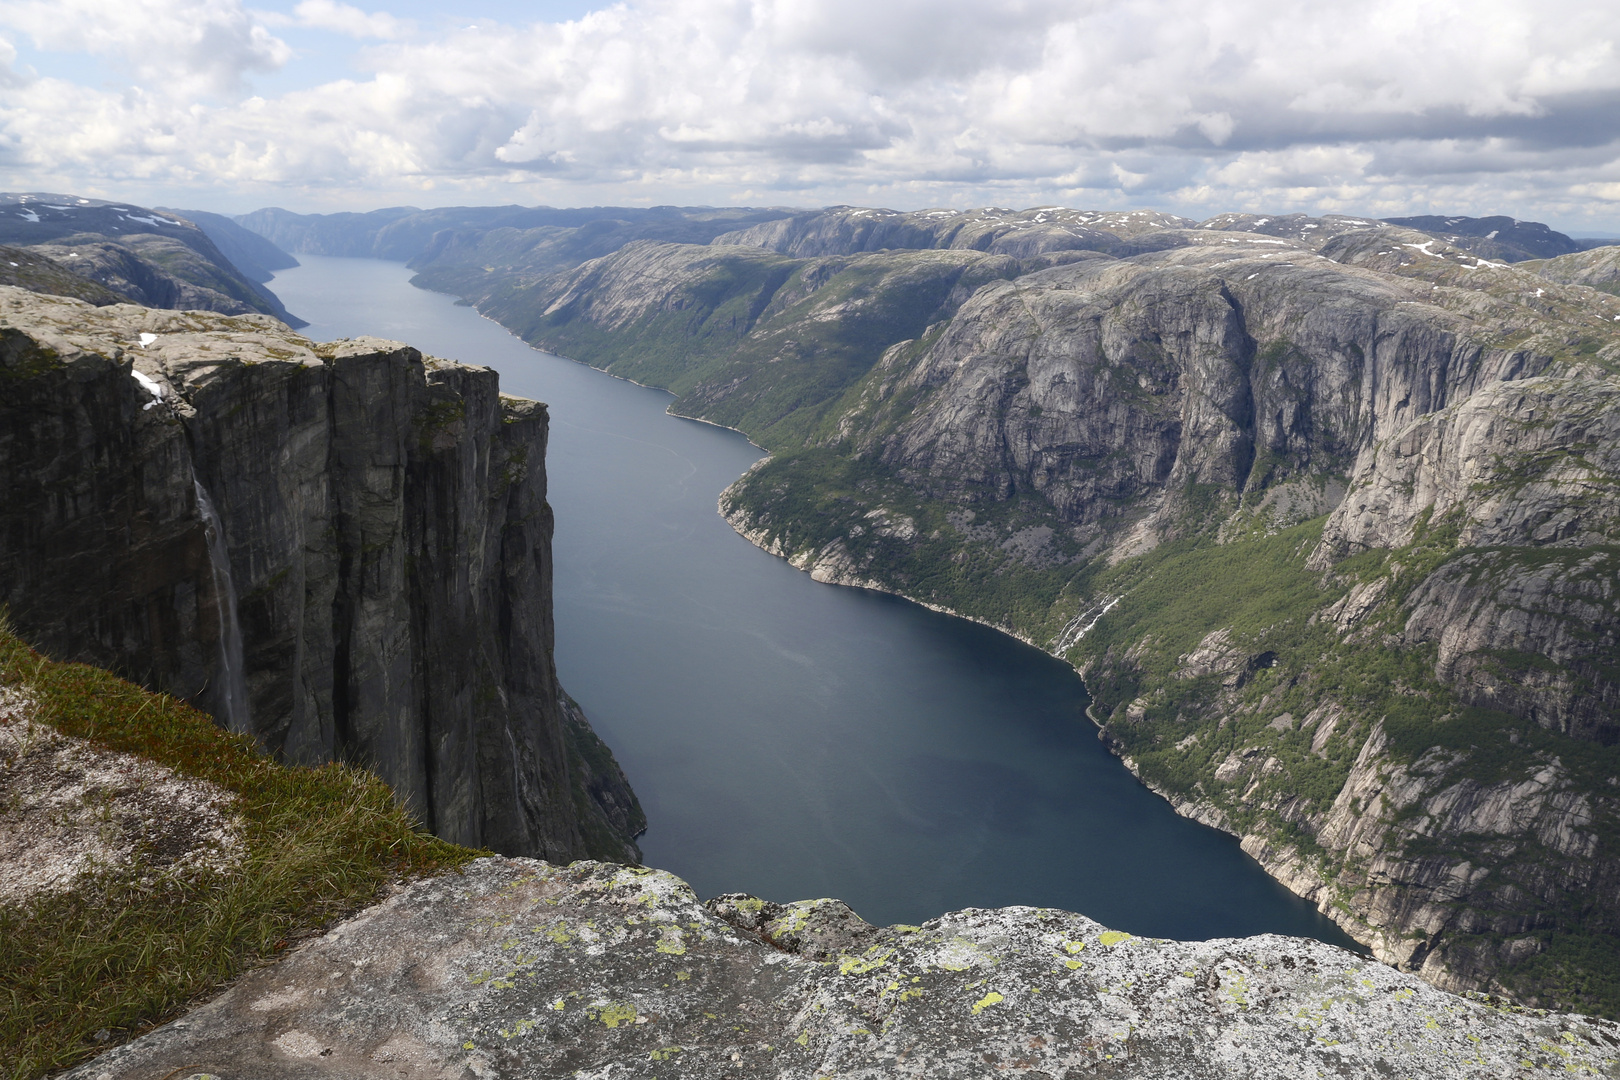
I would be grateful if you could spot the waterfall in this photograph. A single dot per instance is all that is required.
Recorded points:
(232, 678)
(1081, 625)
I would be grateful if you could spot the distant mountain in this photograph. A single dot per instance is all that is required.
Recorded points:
(347, 234)
(457, 246)
(152, 258)
(28, 269)
(256, 257)
(1503, 238)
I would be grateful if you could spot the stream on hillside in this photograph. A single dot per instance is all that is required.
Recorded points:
(793, 739)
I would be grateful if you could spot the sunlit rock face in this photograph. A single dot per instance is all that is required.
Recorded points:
(522, 969)
(342, 550)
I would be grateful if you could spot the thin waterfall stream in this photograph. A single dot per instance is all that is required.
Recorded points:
(231, 692)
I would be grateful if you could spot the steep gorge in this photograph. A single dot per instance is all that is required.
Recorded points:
(1323, 509)
(341, 551)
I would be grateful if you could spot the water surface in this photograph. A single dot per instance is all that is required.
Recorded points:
(792, 739)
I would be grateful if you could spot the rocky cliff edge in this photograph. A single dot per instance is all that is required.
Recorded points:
(520, 968)
(341, 550)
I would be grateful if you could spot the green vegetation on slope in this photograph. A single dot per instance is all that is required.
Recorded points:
(750, 339)
(121, 953)
(924, 548)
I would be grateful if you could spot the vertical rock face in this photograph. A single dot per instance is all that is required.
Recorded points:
(386, 545)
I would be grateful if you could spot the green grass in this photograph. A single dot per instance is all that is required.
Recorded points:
(124, 956)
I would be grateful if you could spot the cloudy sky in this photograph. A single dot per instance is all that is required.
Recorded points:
(1195, 106)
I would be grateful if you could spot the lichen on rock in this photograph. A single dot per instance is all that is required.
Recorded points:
(519, 968)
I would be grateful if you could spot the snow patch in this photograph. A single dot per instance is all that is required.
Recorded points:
(152, 386)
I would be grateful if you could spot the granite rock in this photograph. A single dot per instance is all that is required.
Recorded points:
(342, 550)
(520, 969)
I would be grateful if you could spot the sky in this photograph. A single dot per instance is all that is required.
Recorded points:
(1380, 107)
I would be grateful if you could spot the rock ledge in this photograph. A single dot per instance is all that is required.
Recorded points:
(521, 968)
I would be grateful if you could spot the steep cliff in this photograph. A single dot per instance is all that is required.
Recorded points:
(341, 550)
(1323, 509)
(1407, 710)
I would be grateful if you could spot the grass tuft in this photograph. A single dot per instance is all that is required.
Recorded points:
(125, 951)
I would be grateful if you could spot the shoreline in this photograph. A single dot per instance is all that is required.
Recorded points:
(1192, 810)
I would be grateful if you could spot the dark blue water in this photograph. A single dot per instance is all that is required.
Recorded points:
(792, 739)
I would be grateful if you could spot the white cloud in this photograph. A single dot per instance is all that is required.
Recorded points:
(341, 18)
(179, 47)
(1192, 103)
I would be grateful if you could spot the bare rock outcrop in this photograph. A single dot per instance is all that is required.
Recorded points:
(521, 969)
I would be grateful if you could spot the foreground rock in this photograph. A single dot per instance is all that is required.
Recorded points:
(70, 809)
(523, 969)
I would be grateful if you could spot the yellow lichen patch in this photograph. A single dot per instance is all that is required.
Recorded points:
(803, 1039)
(682, 976)
(665, 1053)
(992, 998)
(559, 1004)
(522, 1027)
(617, 1013)
(856, 965)
(1113, 937)
(671, 942)
(1072, 947)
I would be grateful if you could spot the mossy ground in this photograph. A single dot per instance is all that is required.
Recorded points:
(119, 955)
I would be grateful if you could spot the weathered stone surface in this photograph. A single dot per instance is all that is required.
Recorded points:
(523, 969)
(69, 809)
(1599, 268)
(342, 550)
